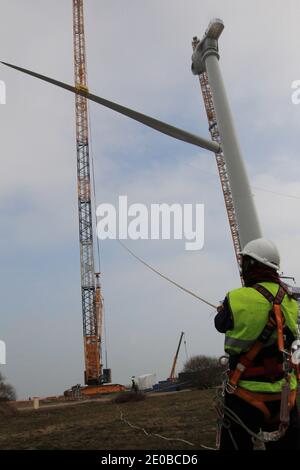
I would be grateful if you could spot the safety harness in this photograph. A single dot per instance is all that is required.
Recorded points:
(270, 369)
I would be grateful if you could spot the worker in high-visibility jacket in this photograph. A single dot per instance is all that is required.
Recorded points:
(259, 322)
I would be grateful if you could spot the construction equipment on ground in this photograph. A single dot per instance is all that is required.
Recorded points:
(78, 391)
(172, 383)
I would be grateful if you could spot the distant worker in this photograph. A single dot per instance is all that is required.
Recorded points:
(260, 326)
(134, 384)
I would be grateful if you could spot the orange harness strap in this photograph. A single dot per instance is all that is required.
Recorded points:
(277, 301)
(258, 400)
(279, 321)
(246, 360)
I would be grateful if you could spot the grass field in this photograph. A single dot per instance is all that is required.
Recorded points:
(187, 415)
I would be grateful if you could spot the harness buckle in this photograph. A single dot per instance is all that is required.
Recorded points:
(230, 388)
(241, 367)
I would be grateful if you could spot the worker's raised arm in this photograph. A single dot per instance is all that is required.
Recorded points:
(223, 319)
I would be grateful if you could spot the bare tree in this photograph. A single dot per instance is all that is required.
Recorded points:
(201, 362)
(7, 391)
(202, 371)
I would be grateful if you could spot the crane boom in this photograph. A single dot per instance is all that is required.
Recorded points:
(172, 374)
(90, 292)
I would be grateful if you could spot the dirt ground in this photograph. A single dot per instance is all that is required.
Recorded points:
(102, 425)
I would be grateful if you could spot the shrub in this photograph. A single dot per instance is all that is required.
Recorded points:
(125, 397)
(7, 391)
(202, 372)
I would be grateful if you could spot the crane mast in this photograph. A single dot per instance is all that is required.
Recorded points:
(90, 283)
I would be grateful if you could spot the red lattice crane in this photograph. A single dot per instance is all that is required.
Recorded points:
(90, 283)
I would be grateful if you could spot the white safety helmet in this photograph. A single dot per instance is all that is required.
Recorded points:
(264, 251)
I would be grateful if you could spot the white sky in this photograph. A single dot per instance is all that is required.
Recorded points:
(138, 55)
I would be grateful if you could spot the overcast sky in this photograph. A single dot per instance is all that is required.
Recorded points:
(138, 55)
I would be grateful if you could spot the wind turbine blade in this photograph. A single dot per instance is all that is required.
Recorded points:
(160, 126)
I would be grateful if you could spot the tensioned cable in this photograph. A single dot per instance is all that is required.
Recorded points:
(160, 436)
(291, 196)
(97, 242)
(91, 153)
(188, 291)
(93, 182)
(94, 194)
(105, 333)
(148, 434)
(256, 188)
